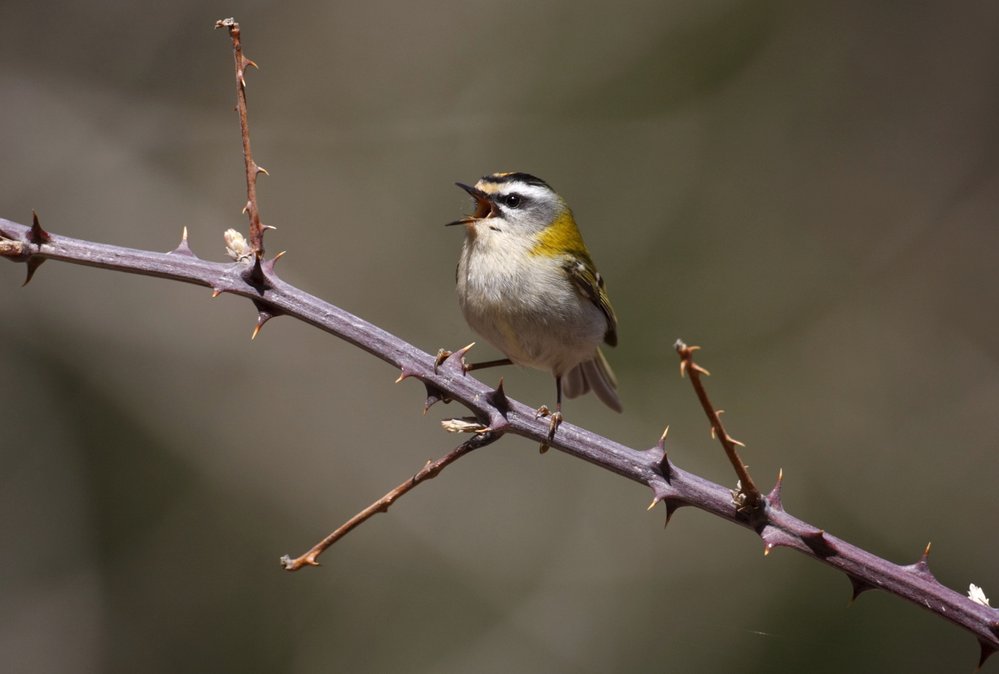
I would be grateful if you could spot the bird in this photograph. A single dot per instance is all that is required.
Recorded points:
(527, 284)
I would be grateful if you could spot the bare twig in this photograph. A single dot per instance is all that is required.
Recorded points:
(747, 496)
(252, 169)
(431, 470)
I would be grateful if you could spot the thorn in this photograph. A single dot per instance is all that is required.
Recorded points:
(987, 650)
(444, 357)
(714, 433)
(774, 497)
(736, 442)
(434, 396)
(261, 319)
(672, 505)
(32, 266)
(260, 169)
(245, 208)
(267, 266)
(497, 398)
(819, 543)
(774, 538)
(662, 438)
(663, 455)
(264, 314)
(697, 368)
(401, 378)
(859, 587)
(36, 234)
(922, 566)
(184, 247)
(655, 502)
(248, 62)
(266, 227)
(256, 275)
(683, 369)
(216, 292)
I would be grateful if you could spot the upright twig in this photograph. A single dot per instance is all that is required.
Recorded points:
(747, 496)
(252, 169)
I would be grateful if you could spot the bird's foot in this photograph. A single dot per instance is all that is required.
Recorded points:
(555, 420)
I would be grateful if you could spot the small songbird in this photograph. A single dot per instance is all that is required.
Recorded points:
(527, 284)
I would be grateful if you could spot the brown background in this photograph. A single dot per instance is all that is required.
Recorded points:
(808, 190)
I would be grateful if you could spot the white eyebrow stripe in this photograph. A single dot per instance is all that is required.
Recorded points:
(529, 191)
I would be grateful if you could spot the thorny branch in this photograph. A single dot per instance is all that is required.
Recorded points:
(252, 169)
(496, 414)
(747, 496)
(493, 409)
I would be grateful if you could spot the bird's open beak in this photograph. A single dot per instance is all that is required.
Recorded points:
(483, 206)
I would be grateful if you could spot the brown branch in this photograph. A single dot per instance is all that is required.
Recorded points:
(252, 169)
(431, 470)
(747, 496)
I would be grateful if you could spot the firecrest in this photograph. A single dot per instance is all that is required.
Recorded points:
(527, 284)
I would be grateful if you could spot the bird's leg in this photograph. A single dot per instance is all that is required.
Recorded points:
(489, 363)
(555, 417)
(444, 354)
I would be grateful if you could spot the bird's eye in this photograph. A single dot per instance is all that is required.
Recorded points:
(512, 200)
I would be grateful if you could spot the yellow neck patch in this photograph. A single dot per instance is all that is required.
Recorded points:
(561, 237)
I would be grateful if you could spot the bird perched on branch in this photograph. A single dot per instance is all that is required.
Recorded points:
(527, 283)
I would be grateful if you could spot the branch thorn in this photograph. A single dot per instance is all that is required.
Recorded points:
(36, 234)
(434, 395)
(819, 543)
(859, 587)
(774, 497)
(184, 247)
(986, 652)
(662, 438)
(672, 505)
(32, 265)
(497, 398)
(445, 358)
(774, 538)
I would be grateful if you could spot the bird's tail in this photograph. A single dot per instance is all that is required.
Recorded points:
(595, 375)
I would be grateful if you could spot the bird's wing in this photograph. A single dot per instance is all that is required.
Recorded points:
(591, 284)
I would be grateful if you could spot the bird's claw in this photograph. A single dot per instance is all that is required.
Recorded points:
(555, 419)
(442, 355)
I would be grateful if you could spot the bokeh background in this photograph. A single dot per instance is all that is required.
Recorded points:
(806, 189)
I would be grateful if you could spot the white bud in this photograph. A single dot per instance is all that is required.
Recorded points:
(236, 246)
(977, 595)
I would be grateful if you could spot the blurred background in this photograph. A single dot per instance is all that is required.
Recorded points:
(808, 190)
